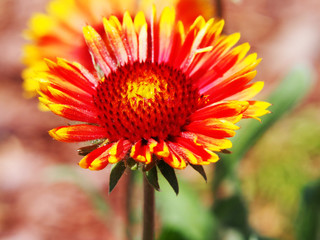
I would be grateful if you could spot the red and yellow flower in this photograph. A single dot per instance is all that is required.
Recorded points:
(159, 91)
(59, 32)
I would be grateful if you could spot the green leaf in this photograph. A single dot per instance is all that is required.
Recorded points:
(152, 177)
(169, 175)
(83, 151)
(200, 170)
(132, 164)
(233, 213)
(308, 221)
(115, 175)
(170, 233)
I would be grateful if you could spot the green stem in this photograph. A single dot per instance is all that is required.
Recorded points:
(129, 207)
(148, 210)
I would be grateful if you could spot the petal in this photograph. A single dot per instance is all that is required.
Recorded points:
(178, 39)
(256, 109)
(223, 65)
(119, 150)
(220, 110)
(174, 159)
(160, 149)
(99, 50)
(164, 152)
(139, 21)
(143, 43)
(184, 54)
(74, 74)
(193, 153)
(196, 45)
(78, 133)
(59, 97)
(166, 26)
(96, 154)
(141, 28)
(115, 42)
(249, 91)
(214, 128)
(154, 36)
(130, 37)
(140, 152)
(212, 144)
(45, 80)
(110, 153)
(206, 62)
(73, 113)
(228, 87)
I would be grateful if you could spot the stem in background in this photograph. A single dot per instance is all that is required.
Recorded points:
(219, 8)
(129, 206)
(148, 210)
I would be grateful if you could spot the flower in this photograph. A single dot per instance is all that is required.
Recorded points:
(158, 90)
(58, 33)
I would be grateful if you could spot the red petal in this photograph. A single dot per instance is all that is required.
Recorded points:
(77, 133)
(214, 128)
(220, 110)
(73, 113)
(99, 50)
(141, 152)
(87, 160)
(101, 157)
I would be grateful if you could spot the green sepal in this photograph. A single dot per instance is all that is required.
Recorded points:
(152, 177)
(307, 225)
(132, 164)
(226, 151)
(200, 170)
(115, 175)
(83, 151)
(147, 167)
(169, 174)
(135, 167)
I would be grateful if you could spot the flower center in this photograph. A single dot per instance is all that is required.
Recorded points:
(145, 100)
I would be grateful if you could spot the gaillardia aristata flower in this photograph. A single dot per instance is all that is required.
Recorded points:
(159, 92)
(59, 31)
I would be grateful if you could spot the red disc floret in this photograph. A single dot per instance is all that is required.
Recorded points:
(145, 100)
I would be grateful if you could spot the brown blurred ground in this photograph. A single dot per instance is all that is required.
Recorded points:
(284, 33)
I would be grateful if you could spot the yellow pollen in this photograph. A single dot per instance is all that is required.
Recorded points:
(144, 88)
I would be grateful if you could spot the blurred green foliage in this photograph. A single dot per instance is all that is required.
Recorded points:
(284, 162)
(184, 217)
(308, 222)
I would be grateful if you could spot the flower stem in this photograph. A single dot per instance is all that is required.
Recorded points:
(129, 204)
(219, 8)
(148, 210)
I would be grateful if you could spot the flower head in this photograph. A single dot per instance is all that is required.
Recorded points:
(158, 90)
(58, 33)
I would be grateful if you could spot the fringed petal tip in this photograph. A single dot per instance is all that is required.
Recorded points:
(257, 109)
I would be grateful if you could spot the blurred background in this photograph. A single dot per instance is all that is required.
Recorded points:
(272, 193)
